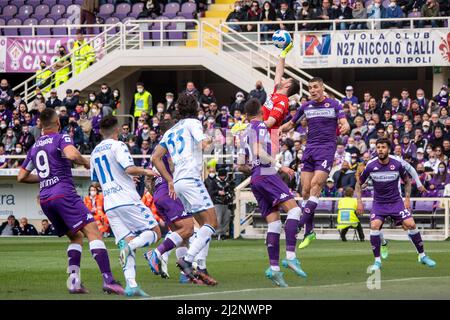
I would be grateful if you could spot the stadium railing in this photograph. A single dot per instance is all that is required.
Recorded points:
(309, 26)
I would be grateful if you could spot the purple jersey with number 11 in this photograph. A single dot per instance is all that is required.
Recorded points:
(58, 197)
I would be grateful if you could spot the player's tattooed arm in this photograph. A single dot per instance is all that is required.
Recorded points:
(25, 176)
(407, 181)
(157, 156)
(74, 155)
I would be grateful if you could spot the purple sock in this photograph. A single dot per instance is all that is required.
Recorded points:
(166, 245)
(273, 248)
(290, 229)
(99, 253)
(308, 216)
(416, 239)
(375, 241)
(74, 257)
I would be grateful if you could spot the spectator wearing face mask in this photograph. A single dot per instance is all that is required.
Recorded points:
(106, 98)
(421, 100)
(116, 100)
(38, 99)
(329, 190)
(359, 142)
(71, 100)
(259, 92)
(267, 14)
(239, 103)
(5, 113)
(285, 14)
(91, 99)
(75, 132)
(351, 146)
(86, 126)
(160, 111)
(237, 15)
(432, 162)
(43, 78)
(170, 103)
(438, 182)
(222, 119)
(53, 101)
(94, 202)
(26, 139)
(62, 67)
(142, 101)
(442, 97)
(9, 140)
(371, 131)
(393, 11)
(408, 147)
(341, 155)
(6, 93)
(18, 151)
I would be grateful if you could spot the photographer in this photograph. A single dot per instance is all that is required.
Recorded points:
(221, 191)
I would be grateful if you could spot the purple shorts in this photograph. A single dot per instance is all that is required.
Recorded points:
(67, 213)
(318, 159)
(169, 209)
(269, 192)
(397, 212)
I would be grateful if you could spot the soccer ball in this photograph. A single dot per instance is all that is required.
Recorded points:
(281, 39)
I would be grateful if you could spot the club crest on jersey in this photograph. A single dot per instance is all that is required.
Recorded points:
(326, 105)
(376, 168)
(392, 167)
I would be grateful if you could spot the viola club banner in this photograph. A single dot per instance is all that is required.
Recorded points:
(23, 54)
(380, 48)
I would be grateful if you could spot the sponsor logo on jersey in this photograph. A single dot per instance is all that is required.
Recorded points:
(320, 113)
(384, 176)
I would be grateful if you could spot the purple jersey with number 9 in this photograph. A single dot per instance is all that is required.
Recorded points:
(52, 168)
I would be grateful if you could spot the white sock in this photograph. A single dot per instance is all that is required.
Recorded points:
(275, 268)
(194, 235)
(203, 237)
(383, 241)
(421, 255)
(146, 238)
(290, 255)
(181, 252)
(129, 271)
(202, 255)
(377, 259)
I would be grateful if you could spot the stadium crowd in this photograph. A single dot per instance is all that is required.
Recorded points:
(418, 124)
(342, 11)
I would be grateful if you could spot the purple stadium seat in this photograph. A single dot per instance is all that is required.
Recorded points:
(106, 10)
(173, 26)
(12, 31)
(33, 3)
(65, 3)
(4, 3)
(78, 2)
(57, 12)
(171, 9)
(29, 31)
(25, 12)
(2, 22)
(45, 31)
(122, 10)
(423, 207)
(324, 207)
(156, 28)
(137, 8)
(41, 11)
(50, 3)
(188, 9)
(18, 3)
(9, 12)
(70, 10)
(127, 19)
(112, 20)
(62, 30)
(415, 14)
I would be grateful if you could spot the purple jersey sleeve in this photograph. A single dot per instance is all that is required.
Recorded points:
(65, 141)
(28, 163)
(339, 111)
(364, 175)
(298, 114)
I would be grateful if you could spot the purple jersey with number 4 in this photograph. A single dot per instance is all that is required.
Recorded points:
(322, 118)
(53, 169)
(386, 188)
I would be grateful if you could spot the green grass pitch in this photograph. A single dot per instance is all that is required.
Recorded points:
(34, 268)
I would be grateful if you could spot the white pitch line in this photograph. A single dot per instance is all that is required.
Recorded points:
(297, 287)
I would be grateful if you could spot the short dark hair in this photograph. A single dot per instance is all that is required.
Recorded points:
(384, 141)
(294, 88)
(348, 192)
(166, 125)
(187, 106)
(47, 117)
(252, 107)
(108, 123)
(44, 220)
(315, 79)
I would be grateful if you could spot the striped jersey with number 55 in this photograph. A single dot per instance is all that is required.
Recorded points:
(182, 141)
(109, 160)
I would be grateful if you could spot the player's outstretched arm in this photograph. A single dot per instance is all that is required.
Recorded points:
(360, 206)
(138, 171)
(25, 176)
(344, 127)
(413, 173)
(279, 70)
(74, 155)
(206, 142)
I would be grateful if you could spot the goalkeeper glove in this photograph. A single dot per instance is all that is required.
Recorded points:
(286, 50)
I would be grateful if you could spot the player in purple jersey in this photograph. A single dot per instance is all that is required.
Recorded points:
(385, 172)
(51, 156)
(180, 222)
(271, 193)
(323, 115)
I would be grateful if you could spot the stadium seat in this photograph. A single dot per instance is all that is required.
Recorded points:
(171, 10)
(4, 3)
(423, 213)
(188, 10)
(112, 20)
(173, 26)
(29, 31)
(78, 2)
(122, 10)
(18, 3)
(415, 14)
(33, 3)
(51, 3)
(9, 11)
(70, 10)
(24, 12)
(13, 31)
(41, 11)
(61, 30)
(137, 9)
(65, 3)
(156, 28)
(45, 31)
(57, 12)
(106, 11)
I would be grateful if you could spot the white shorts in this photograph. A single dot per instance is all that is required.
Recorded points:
(130, 220)
(193, 195)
